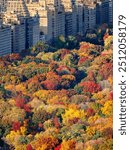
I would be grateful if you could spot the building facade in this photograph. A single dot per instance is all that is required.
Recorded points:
(64, 17)
(17, 6)
(32, 31)
(18, 36)
(47, 19)
(80, 19)
(5, 40)
(56, 22)
(104, 12)
(3, 5)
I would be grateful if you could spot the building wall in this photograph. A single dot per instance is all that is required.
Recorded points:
(32, 31)
(104, 12)
(0, 7)
(5, 41)
(60, 17)
(99, 13)
(18, 6)
(36, 31)
(80, 20)
(74, 22)
(85, 19)
(18, 37)
(111, 12)
(43, 20)
(68, 23)
(91, 18)
(3, 5)
(56, 22)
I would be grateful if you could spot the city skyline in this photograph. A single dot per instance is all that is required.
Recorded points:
(32, 21)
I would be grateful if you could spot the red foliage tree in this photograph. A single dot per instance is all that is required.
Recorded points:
(64, 52)
(84, 46)
(29, 147)
(91, 76)
(27, 108)
(50, 85)
(90, 112)
(52, 81)
(65, 70)
(90, 87)
(106, 70)
(16, 126)
(20, 102)
(105, 36)
(56, 122)
(83, 59)
(58, 147)
(111, 95)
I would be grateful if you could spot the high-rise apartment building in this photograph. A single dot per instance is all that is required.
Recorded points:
(0, 8)
(110, 12)
(104, 12)
(39, 8)
(51, 17)
(3, 5)
(18, 30)
(64, 17)
(57, 17)
(43, 20)
(18, 36)
(5, 39)
(30, 26)
(80, 18)
(55, 3)
(32, 31)
(1, 21)
(99, 18)
(91, 17)
(24, 31)
(17, 6)
(56, 21)
(70, 17)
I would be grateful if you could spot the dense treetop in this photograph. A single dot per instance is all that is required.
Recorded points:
(59, 99)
